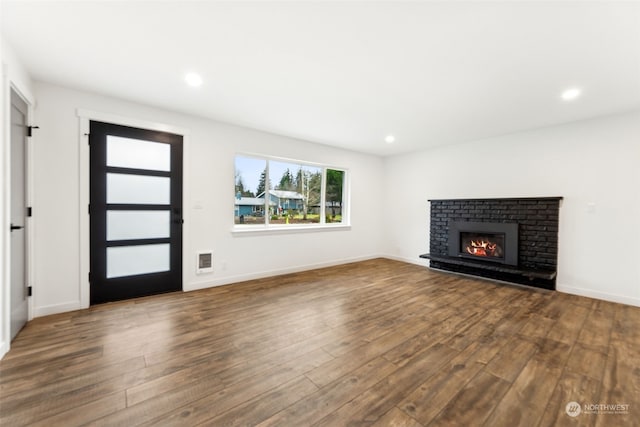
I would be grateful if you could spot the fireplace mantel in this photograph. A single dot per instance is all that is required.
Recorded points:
(524, 199)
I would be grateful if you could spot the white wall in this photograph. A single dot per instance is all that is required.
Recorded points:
(209, 173)
(13, 76)
(593, 164)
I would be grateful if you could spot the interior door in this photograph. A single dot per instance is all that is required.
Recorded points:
(19, 305)
(135, 212)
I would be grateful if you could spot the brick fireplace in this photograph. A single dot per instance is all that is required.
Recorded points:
(514, 239)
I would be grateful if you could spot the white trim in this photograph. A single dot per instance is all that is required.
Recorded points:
(58, 308)
(30, 223)
(193, 286)
(85, 117)
(589, 293)
(83, 217)
(346, 196)
(117, 119)
(323, 199)
(186, 202)
(244, 230)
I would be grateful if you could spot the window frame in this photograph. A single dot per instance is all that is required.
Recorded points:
(268, 227)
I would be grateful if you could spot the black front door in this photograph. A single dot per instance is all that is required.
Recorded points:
(135, 212)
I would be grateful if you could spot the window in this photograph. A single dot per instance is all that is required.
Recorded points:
(275, 193)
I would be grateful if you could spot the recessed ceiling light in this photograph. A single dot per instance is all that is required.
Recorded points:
(193, 79)
(390, 139)
(571, 94)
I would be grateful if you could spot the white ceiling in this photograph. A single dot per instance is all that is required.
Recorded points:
(344, 73)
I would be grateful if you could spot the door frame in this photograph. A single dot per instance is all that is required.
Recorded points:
(85, 117)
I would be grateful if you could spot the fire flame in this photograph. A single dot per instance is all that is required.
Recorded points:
(482, 248)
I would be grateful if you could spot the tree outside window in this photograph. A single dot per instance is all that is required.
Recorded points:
(297, 197)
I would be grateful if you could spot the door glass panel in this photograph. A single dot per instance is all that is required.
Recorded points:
(138, 154)
(138, 189)
(142, 259)
(123, 225)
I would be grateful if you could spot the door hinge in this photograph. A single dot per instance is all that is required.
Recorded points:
(29, 291)
(29, 211)
(89, 277)
(30, 130)
(89, 209)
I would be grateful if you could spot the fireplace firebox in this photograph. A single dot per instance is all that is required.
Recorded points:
(484, 241)
(485, 245)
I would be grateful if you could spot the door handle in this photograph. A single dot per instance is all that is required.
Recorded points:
(16, 227)
(177, 218)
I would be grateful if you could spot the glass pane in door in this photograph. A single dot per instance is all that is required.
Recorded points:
(141, 259)
(138, 154)
(138, 189)
(127, 225)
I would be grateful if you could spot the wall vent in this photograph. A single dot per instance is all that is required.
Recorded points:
(204, 263)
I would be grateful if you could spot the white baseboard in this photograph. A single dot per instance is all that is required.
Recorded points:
(417, 260)
(76, 305)
(598, 295)
(4, 348)
(193, 286)
(57, 308)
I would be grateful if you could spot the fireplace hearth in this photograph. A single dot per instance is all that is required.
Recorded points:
(513, 240)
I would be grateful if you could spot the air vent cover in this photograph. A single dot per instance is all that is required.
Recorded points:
(204, 262)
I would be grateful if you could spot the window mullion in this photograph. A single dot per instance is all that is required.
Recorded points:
(323, 198)
(267, 196)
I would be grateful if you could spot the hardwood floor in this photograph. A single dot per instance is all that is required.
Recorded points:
(378, 343)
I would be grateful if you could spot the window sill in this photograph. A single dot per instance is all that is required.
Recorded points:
(248, 230)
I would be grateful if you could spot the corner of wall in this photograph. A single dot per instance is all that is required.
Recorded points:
(417, 261)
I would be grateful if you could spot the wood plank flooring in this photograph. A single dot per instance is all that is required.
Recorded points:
(378, 343)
